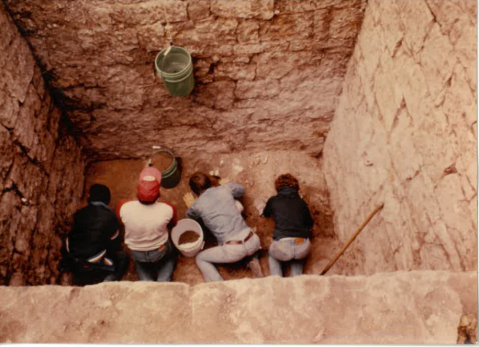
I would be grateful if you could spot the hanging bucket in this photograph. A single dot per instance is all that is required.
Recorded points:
(176, 71)
(188, 249)
(170, 177)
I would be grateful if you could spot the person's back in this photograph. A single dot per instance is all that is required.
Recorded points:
(93, 227)
(147, 223)
(217, 209)
(94, 242)
(146, 226)
(293, 223)
(290, 213)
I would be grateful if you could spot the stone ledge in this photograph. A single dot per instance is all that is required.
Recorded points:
(398, 307)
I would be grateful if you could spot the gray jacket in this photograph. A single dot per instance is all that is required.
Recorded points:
(216, 207)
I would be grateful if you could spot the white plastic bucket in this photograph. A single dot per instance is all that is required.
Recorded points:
(192, 248)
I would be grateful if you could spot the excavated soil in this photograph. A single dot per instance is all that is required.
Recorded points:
(188, 237)
(257, 173)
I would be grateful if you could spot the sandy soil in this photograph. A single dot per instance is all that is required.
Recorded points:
(257, 173)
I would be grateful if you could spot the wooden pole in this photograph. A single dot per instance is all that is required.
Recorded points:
(336, 257)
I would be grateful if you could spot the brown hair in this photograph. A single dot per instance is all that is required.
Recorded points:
(199, 182)
(286, 180)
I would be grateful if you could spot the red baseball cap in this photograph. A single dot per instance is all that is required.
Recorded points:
(150, 174)
(149, 186)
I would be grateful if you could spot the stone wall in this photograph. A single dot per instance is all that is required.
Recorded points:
(268, 73)
(419, 307)
(41, 167)
(405, 133)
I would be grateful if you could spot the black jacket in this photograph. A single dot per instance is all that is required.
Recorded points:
(93, 228)
(291, 214)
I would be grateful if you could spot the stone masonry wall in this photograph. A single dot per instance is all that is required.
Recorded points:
(41, 167)
(418, 307)
(405, 133)
(268, 73)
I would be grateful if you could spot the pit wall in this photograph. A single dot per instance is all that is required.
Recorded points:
(41, 167)
(404, 133)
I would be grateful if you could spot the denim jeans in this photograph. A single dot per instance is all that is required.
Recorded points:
(287, 250)
(155, 265)
(227, 253)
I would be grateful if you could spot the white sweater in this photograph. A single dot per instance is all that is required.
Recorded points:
(145, 225)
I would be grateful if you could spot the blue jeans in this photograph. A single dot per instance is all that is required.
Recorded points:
(225, 254)
(288, 251)
(155, 265)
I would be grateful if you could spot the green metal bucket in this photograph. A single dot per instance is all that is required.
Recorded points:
(176, 71)
(171, 176)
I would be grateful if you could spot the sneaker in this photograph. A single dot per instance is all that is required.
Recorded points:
(255, 267)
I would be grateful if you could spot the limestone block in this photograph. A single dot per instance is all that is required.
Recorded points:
(236, 71)
(248, 48)
(427, 307)
(455, 212)
(446, 14)
(294, 6)
(370, 45)
(9, 109)
(411, 81)
(392, 26)
(199, 9)
(6, 152)
(436, 61)
(24, 130)
(248, 31)
(278, 65)
(223, 28)
(19, 67)
(257, 89)
(460, 104)
(261, 9)
(217, 95)
(417, 19)
(24, 231)
(405, 158)
(287, 27)
(388, 95)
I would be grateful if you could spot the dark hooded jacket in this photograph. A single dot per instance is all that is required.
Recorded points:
(95, 229)
(291, 214)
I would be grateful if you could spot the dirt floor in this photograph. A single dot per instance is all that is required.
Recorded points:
(257, 173)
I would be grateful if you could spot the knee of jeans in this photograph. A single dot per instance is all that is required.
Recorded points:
(199, 257)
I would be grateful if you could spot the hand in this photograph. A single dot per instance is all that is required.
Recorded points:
(223, 181)
(189, 199)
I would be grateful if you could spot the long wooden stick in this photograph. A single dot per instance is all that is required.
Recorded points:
(336, 257)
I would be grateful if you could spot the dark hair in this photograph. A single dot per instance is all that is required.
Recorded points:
(286, 180)
(199, 182)
(99, 192)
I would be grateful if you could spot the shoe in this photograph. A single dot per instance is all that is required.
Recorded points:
(255, 267)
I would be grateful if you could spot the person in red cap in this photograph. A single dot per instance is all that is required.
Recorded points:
(147, 223)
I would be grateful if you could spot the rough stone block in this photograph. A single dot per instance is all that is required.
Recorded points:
(248, 31)
(258, 89)
(260, 9)
(6, 152)
(199, 9)
(417, 19)
(236, 71)
(436, 61)
(287, 27)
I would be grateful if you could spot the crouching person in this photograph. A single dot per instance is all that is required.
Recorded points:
(147, 223)
(217, 208)
(293, 225)
(94, 244)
